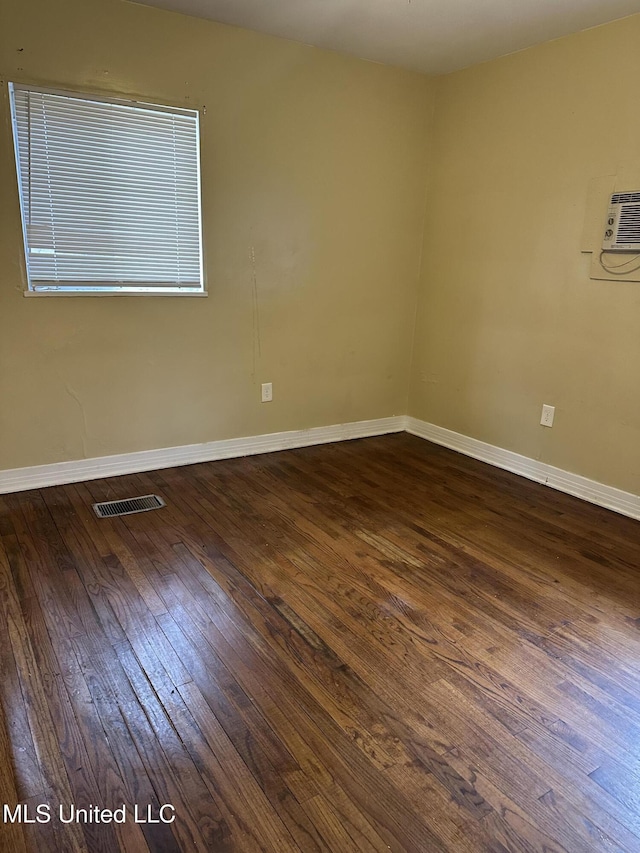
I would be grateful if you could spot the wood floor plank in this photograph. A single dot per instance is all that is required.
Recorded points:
(11, 835)
(40, 715)
(367, 646)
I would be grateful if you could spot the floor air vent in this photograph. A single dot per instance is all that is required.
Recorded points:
(128, 506)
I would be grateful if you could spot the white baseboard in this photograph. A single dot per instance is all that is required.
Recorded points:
(58, 473)
(609, 497)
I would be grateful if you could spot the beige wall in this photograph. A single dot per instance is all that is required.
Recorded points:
(313, 164)
(508, 317)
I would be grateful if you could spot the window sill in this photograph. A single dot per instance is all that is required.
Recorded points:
(91, 293)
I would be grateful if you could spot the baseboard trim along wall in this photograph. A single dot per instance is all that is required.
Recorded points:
(56, 474)
(626, 503)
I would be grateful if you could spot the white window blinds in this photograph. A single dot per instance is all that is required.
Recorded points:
(110, 193)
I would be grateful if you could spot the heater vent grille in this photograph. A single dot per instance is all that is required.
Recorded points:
(128, 506)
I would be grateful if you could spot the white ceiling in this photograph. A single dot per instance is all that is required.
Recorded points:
(434, 36)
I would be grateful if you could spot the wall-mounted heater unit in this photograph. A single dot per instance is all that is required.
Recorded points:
(622, 229)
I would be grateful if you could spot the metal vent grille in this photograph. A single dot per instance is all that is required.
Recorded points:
(629, 224)
(128, 506)
(624, 198)
(622, 228)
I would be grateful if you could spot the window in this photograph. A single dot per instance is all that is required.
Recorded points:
(109, 193)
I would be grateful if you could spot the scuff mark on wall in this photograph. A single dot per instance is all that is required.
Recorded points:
(84, 433)
(257, 346)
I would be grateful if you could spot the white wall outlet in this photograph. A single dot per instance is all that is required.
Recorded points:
(547, 415)
(267, 392)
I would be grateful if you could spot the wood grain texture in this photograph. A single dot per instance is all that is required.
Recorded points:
(369, 646)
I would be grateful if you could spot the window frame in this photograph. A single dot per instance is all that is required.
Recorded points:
(111, 288)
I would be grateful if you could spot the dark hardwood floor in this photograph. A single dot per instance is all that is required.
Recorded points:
(369, 646)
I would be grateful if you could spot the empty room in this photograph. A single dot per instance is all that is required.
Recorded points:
(319, 426)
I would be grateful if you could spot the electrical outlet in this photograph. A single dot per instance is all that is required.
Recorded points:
(267, 392)
(547, 415)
